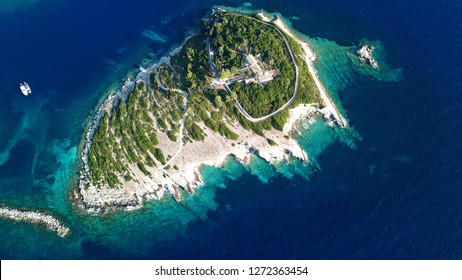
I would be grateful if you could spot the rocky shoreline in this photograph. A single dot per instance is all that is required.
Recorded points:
(35, 217)
(103, 108)
(92, 200)
(330, 110)
(213, 151)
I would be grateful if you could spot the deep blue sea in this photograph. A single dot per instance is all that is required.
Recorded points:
(391, 188)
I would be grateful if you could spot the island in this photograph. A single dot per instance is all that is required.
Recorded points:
(365, 53)
(236, 88)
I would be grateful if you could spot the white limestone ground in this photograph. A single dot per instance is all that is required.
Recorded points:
(212, 151)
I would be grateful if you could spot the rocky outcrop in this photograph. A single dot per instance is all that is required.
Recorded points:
(35, 217)
(182, 170)
(365, 55)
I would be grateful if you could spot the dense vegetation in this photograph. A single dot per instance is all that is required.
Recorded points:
(231, 37)
(127, 139)
(192, 63)
(307, 92)
(208, 108)
(234, 36)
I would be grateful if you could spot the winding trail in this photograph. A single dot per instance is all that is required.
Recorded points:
(180, 143)
(309, 59)
(217, 81)
(180, 138)
(281, 29)
(297, 80)
(228, 90)
(169, 89)
(212, 64)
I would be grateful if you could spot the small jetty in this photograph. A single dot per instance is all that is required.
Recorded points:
(35, 217)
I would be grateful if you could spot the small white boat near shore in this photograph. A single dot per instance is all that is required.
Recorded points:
(25, 88)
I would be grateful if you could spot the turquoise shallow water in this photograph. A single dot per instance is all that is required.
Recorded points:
(386, 188)
(163, 221)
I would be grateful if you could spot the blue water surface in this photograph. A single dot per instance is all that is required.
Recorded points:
(396, 195)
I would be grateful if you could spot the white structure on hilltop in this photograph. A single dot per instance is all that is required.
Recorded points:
(261, 75)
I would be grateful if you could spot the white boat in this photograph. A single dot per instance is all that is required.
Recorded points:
(305, 126)
(25, 88)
